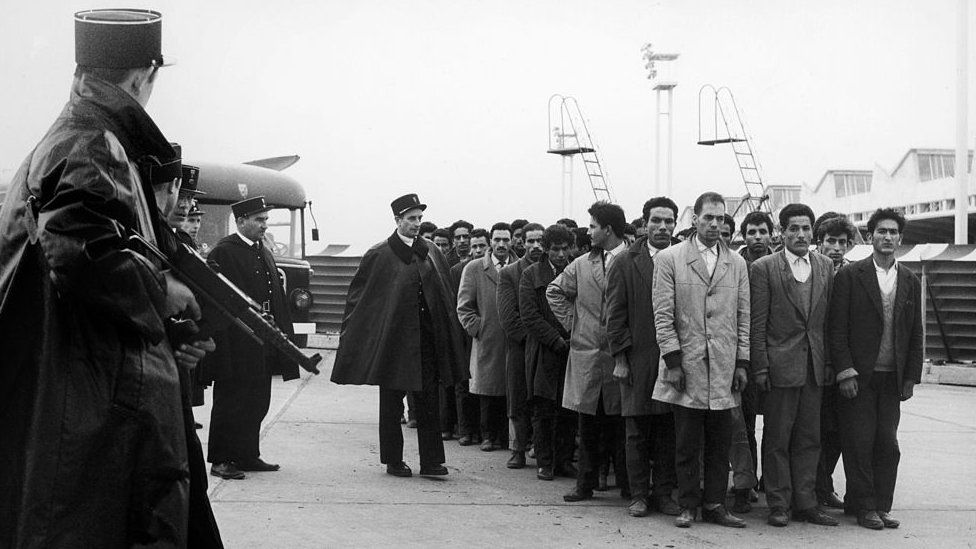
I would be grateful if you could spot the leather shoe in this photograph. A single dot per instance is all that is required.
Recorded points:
(447, 435)
(888, 521)
(466, 440)
(778, 517)
(545, 473)
(517, 461)
(398, 469)
(870, 519)
(666, 506)
(638, 508)
(685, 518)
(226, 470)
(567, 470)
(830, 501)
(721, 516)
(741, 504)
(257, 464)
(578, 495)
(488, 446)
(437, 470)
(814, 515)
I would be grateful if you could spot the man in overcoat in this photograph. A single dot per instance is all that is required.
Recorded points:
(876, 348)
(546, 352)
(94, 440)
(517, 394)
(400, 332)
(578, 299)
(790, 293)
(477, 309)
(241, 368)
(630, 327)
(467, 405)
(701, 313)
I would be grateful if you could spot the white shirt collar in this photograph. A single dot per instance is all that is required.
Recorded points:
(881, 270)
(406, 240)
(792, 257)
(618, 250)
(702, 248)
(246, 240)
(495, 261)
(651, 249)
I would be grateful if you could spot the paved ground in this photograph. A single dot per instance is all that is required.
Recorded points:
(333, 492)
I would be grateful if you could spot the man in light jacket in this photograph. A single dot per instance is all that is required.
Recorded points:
(701, 306)
(578, 299)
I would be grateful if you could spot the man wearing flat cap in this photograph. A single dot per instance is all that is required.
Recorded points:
(94, 448)
(400, 332)
(241, 369)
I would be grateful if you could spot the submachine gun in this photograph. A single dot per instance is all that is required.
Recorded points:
(221, 304)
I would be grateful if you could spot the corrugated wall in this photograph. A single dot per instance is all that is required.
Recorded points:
(329, 286)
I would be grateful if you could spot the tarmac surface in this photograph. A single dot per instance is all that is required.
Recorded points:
(332, 490)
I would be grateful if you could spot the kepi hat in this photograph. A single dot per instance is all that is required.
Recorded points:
(249, 207)
(161, 171)
(195, 210)
(191, 177)
(406, 203)
(119, 38)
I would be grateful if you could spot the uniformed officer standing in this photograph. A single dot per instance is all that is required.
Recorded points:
(241, 369)
(400, 332)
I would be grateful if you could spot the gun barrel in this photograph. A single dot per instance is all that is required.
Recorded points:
(270, 334)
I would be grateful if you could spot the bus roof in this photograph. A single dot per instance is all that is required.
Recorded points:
(229, 183)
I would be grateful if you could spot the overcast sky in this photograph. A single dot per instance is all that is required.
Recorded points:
(448, 98)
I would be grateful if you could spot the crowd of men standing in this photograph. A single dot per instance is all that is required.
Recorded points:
(622, 348)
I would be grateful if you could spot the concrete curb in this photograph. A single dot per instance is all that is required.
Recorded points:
(949, 374)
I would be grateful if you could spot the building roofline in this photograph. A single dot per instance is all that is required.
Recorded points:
(834, 171)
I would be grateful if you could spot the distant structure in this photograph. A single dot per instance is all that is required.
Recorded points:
(569, 137)
(660, 70)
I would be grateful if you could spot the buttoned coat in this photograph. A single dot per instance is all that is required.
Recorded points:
(783, 332)
(546, 341)
(857, 322)
(508, 313)
(578, 298)
(630, 325)
(477, 309)
(706, 318)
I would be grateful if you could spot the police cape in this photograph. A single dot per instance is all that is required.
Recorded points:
(93, 432)
(380, 338)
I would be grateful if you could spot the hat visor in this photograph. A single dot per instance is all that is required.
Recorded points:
(168, 61)
(420, 207)
(192, 191)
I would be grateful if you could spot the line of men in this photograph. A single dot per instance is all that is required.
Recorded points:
(665, 351)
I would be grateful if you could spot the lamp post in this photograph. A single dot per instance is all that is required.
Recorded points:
(659, 67)
(962, 114)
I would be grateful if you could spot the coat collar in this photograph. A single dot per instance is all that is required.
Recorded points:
(869, 281)
(545, 273)
(697, 263)
(643, 262)
(405, 252)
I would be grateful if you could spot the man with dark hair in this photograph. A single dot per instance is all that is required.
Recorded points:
(427, 230)
(568, 223)
(834, 237)
(790, 294)
(508, 311)
(546, 352)
(518, 236)
(90, 385)
(477, 309)
(727, 230)
(824, 217)
(399, 332)
(630, 234)
(578, 299)
(468, 407)
(630, 329)
(701, 316)
(756, 230)
(640, 226)
(583, 241)
(461, 237)
(442, 239)
(876, 347)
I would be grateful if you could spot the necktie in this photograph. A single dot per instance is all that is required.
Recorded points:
(500, 265)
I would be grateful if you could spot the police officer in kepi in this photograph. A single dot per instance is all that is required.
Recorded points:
(241, 368)
(94, 436)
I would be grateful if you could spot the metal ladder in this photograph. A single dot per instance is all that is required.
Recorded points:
(569, 137)
(723, 104)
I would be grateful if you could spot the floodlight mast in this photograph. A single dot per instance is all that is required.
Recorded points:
(656, 64)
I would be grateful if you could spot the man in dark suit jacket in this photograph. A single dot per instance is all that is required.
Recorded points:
(546, 352)
(630, 328)
(876, 349)
(468, 405)
(399, 332)
(242, 369)
(789, 292)
(508, 312)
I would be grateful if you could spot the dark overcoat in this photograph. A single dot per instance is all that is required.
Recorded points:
(237, 354)
(508, 313)
(93, 446)
(856, 322)
(379, 343)
(630, 326)
(546, 342)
